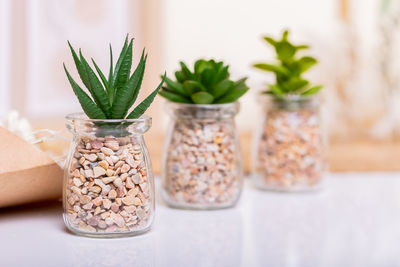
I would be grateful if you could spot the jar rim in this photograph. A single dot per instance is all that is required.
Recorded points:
(81, 116)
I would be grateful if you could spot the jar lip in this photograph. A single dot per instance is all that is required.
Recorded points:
(290, 98)
(80, 116)
(203, 106)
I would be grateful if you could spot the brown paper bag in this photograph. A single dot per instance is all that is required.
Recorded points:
(27, 174)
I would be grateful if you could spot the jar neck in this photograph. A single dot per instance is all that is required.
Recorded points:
(203, 112)
(292, 104)
(80, 124)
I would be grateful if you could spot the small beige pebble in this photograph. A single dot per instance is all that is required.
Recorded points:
(133, 192)
(97, 201)
(77, 182)
(124, 176)
(118, 201)
(130, 209)
(129, 183)
(95, 189)
(90, 157)
(109, 221)
(76, 173)
(125, 168)
(109, 161)
(102, 224)
(115, 159)
(119, 220)
(82, 160)
(104, 164)
(97, 211)
(107, 151)
(108, 180)
(137, 178)
(98, 171)
(112, 194)
(140, 213)
(129, 200)
(89, 173)
(137, 201)
(88, 206)
(117, 182)
(107, 203)
(84, 199)
(109, 172)
(97, 144)
(112, 145)
(114, 207)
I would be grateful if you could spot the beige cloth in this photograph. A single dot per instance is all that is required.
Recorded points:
(27, 174)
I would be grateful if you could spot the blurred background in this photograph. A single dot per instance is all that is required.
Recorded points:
(356, 41)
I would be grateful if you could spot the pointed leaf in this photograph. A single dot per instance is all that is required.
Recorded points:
(176, 87)
(270, 40)
(126, 96)
(222, 74)
(90, 108)
(140, 109)
(313, 90)
(192, 87)
(102, 77)
(172, 96)
(79, 66)
(202, 98)
(120, 59)
(239, 89)
(110, 77)
(273, 68)
(124, 64)
(96, 88)
(180, 77)
(221, 88)
(186, 72)
(306, 63)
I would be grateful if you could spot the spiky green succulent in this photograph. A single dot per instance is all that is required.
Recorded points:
(208, 84)
(112, 97)
(289, 69)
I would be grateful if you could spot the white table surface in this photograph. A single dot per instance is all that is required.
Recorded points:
(353, 221)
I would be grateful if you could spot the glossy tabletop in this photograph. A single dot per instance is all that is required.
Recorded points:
(353, 221)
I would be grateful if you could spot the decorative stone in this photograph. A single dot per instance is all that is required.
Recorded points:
(98, 171)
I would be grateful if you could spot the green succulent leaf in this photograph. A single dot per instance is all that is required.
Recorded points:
(88, 106)
(171, 96)
(126, 96)
(79, 66)
(144, 105)
(110, 88)
(176, 86)
(202, 98)
(272, 68)
(186, 72)
(313, 90)
(96, 88)
(180, 77)
(235, 93)
(102, 77)
(191, 87)
(285, 51)
(123, 68)
(306, 63)
(270, 41)
(221, 88)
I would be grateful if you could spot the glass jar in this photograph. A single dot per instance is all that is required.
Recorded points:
(289, 148)
(108, 184)
(202, 165)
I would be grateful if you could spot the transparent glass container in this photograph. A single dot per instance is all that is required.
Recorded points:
(202, 165)
(289, 149)
(108, 183)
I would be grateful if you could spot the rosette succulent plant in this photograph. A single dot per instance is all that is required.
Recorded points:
(112, 97)
(209, 83)
(289, 69)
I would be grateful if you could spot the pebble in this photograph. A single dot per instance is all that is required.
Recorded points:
(91, 157)
(107, 203)
(117, 182)
(114, 145)
(112, 194)
(98, 171)
(108, 180)
(98, 201)
(129, 200)
(77, 182)
(107, 151)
